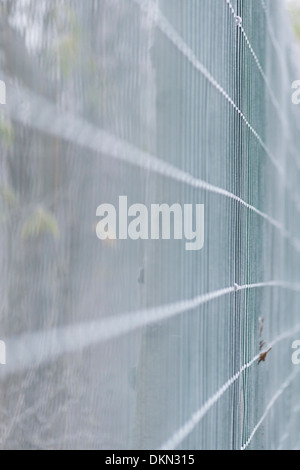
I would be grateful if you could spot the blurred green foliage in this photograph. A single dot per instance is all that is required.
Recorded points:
(6, 132)
(41, 222)
(67, 47)
(8, 196)
(294, 10)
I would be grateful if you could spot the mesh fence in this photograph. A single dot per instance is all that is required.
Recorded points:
(141, 344)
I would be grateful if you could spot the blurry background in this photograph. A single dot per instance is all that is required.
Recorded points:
(293, 7)
(116, 344)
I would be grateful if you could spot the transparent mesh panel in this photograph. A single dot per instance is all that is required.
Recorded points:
(141, 344)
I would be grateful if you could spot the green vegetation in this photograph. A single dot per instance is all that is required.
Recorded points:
(294, 9)
(41, 222)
